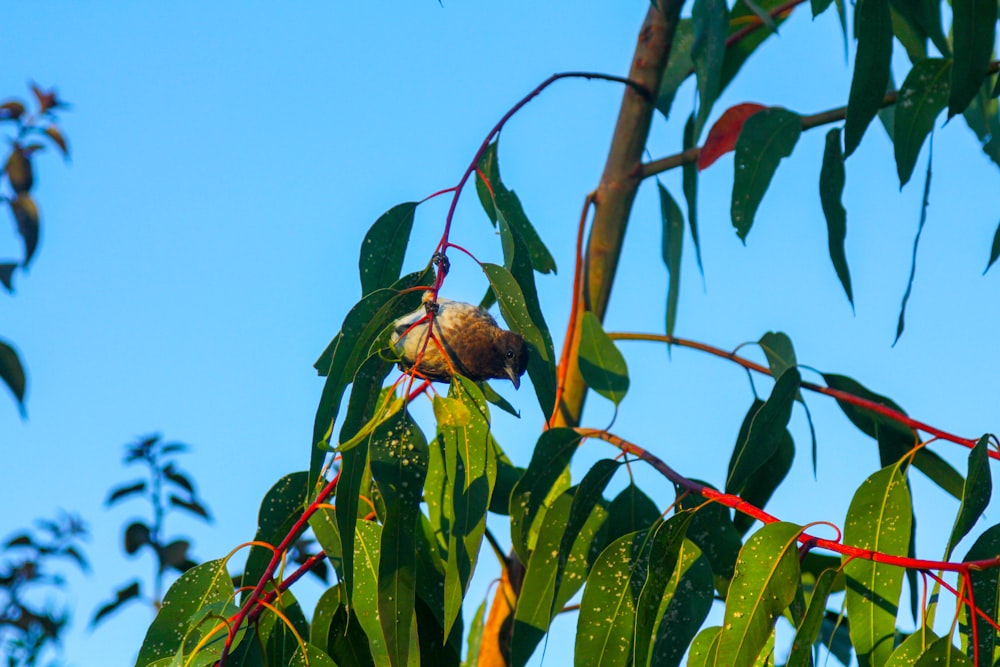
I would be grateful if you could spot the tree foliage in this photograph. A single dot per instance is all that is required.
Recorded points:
(400, 507)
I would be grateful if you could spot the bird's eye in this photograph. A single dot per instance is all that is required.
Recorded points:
(510, 354)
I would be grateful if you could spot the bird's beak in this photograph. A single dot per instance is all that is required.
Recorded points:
(514, 377)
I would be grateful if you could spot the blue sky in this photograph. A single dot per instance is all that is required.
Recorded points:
(201, 248)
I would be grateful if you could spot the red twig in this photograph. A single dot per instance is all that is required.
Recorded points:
(741, 505)
(293, 534)
(843, 396)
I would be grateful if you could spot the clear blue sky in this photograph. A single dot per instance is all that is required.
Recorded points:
(227, 158)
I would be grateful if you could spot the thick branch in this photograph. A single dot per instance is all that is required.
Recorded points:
(618, 186)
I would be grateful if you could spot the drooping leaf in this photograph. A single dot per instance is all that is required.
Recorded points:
(123, 491)
(672, 221)
(507, 204)
(514, 308)
(475, 636)
(708, 50)
(689, 182)
(986, 592)
(384, 247)
(12, 373)
(925, 17)
(925, 203)
(873, 29)
(7, 275)
(780, 352)
(398, 453)
(679, 66)
(974, 27)
(367, 554)
(878, 519)
(172, 630)
(704, 646)
(943, 652)
(767, 137)
(922, 97)
(763, 436)
(831, 189)
(906, 654)
(722, 137)
(713, 531)
(981, 115)
(975, 495)
(994, 250)
(20, 174)
(766, 578)
(549, 459)
(122, 596)
(601, 363)
(761, 486)
(740, 50)
(26, 215)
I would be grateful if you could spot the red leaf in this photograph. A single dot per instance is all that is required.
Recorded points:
(722, 137)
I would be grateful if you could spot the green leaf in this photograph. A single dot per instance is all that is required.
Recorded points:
(475, 636)
(708, 50)
(679, 67)
(366, 594)
(762, 439)
(663, 557)
(831, 189)
(981, 117)
(925, 17)
(601, 363)
(26, 216)
(673, 243)
(740, 50)
(687, 599)
(364, 328)
(766, 138)
(324, 525)
(514, 308)
(631, 510)
(762, 485)
(906, 654)
(780, 352)
(766, 578)
(873, 28)
(922, 97)
(807, 631)
(689, 183)
(549, 459)
(384, 247)
(311, 657)
(12, 373)
(353, 472)
(879, 519)
(494, 397)
(176, 628)
(517, 261)
(279, 510)
(975, 494)
(471, 464)
(549, 581)
(508, 475)
(916, 244)
(606, 626)
(995, 250)
(985, 590)
(703, 647)
(507, 205)
(974, 27)
(398, 453)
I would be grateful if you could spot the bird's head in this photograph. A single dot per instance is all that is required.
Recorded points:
(514, 353)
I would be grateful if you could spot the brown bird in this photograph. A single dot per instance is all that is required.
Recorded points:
(475, 345)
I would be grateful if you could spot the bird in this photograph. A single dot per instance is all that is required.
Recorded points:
(475, 345)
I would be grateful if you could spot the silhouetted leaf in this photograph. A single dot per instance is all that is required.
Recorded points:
(994, 251)
(925, 17)
(713, 532)
(178, 478)
(741, 49)
(122, 595)
(762, 485)
(601, 363)
(831, 189)
(767, 137)
(136, 536)
(722, 137)
(12, 373)
(124, 491)
(679, 66)
(19, 172)
(384, 247)
(878, 519)
(192, 506)
(689, 183)
(57, 137)
(673, 243)
(174, 555)
(974, 28)
(873, 29)
(7, 275)
(981, 117)
(916, 244)
(922, 97)
(807, 631)
(26, 214)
